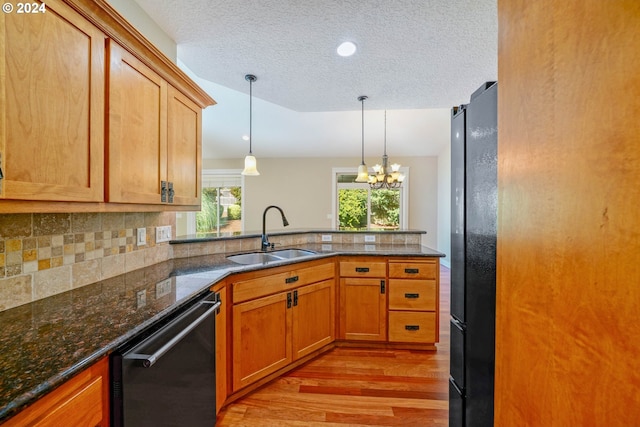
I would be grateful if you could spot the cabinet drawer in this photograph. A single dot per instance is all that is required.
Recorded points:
(406, 294)
(363, 269)
(245, 290)
(412, 326)
(413, 270)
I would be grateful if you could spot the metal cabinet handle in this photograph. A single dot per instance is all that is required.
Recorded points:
(148, 360)
(163, 191)
(362, 269)
(171, 192)
(295, 298)
(382, 286)
(291, 279)
(288, 299)
(412, 295)
(412, 270)
(411, 327)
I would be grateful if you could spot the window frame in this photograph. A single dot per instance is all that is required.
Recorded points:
(191, 216)
(404, 195)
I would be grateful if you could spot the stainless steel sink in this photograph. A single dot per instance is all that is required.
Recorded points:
(265, 257)
(291, 253)
(253, 258)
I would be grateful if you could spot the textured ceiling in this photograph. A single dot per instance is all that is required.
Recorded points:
(412, 54)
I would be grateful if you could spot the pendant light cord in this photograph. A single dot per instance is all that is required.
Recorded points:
(385, 132)
(250, 112)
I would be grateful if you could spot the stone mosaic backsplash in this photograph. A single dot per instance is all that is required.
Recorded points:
(46, 254)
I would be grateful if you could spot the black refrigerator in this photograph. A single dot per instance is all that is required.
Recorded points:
(474, 200)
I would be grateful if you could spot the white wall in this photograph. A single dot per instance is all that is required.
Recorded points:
(133, 13)
(444, 205)
(302, 187)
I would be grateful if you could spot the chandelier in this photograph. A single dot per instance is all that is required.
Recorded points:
(385, 177)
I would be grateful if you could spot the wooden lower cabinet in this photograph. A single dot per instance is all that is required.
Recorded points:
(221, 346)
(313, 318)
(414, 301)
(261, 338)
(279, 318)
(83, 401)
(363, 309)
(363, 299)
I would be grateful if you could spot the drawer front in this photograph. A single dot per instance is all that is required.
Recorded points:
(413, 270)
(412, 326)
(406, 294)
(363, 269)
(269, 284)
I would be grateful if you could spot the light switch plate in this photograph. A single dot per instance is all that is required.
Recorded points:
(163, 233)
(326, 237)
(141, 298)
(142, 236)
(163, 288)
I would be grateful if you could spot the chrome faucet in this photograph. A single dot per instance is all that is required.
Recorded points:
(265, 240)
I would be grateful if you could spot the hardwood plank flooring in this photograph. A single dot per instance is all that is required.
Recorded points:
(356, 387)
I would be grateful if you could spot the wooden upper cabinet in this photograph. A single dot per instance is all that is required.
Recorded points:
(137, 129)
(154, 145)
(52, 77)
(184, 162)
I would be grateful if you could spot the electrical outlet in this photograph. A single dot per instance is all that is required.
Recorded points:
(141, 298)
(326, 237)
(163, 233)
(163, 288)
(142, 236)
(369, 239)
(369, 247)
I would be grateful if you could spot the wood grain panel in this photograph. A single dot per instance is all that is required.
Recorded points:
(568, 239)
(406, 294)
(184, 151)
(137, 142)
(314, 320)
(52, 97)
(363, 309)
(80, 402)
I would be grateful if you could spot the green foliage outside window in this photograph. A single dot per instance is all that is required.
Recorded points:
(353, 209)
(234, 212)
(207, 219)
(385, 208)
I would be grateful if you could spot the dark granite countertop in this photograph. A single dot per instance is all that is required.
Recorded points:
(46, 342)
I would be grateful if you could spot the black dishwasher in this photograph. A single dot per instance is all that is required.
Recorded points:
(167, 379)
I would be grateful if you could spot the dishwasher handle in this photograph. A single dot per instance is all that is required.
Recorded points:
(148, 360)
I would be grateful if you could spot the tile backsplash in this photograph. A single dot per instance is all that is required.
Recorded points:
(45, 254)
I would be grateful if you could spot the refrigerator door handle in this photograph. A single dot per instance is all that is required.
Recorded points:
(458, 324)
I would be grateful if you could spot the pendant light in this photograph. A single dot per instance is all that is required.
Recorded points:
(363, 174)
(250, 167)
(384, 177)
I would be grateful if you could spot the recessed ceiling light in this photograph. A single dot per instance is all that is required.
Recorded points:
(346, 49)
(245, 137)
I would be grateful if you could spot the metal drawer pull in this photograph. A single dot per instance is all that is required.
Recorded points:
(291, 279)
(412, 295)
(411, 327)
(412, 270)
(362, 269)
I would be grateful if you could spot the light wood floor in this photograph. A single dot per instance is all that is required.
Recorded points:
(356, 387)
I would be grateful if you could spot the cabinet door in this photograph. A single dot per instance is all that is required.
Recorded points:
(363, 310)
(137, 141)
(80, 402)
(184, 150)
(261, 338)
(51, 106)
(313, 317)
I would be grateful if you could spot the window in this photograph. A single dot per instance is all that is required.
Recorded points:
(358, 207)
(221, 202)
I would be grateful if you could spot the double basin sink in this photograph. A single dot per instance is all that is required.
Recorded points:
(266, 257)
